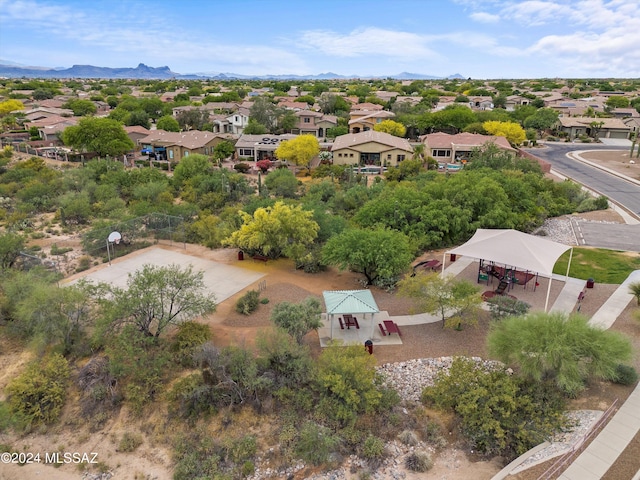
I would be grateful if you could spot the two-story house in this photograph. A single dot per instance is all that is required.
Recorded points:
(313, 123)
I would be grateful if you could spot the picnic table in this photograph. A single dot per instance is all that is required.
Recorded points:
(389, 327)
(348, 321)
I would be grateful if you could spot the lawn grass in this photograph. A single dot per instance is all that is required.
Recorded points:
(604, 266)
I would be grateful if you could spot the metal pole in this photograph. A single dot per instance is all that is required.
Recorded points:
(108, 254)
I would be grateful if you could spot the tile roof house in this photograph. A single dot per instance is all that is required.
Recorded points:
(51, 127)
(259, 147)
(445, 147)
(173, 146)
(136, 133)
(481, 102)
(314, 123)
(370, 148)
(363, 120)
(610, 127)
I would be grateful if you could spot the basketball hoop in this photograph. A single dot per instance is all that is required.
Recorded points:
(114, 237)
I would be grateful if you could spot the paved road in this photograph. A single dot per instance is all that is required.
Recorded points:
(623, 192)
(606, 235)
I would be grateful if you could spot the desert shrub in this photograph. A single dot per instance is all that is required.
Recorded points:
(499, 414)
(196, 456)
(408, 437)
(129, 442)
(502, 306)
(140, 364)
(264, 301)
(84, 263)
(39, 393)
(432, 433)
(98, 388)
(248, 303)
(242, 167)
(189, 337)
(625, 375)
(373, 448)
(239, 450)
(190, 398)
(419, 462)
(55, 250)
(315, 443)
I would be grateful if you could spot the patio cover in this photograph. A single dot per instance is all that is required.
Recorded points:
(339, 302)
(514, 248)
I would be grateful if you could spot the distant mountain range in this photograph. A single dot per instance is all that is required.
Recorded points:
(142, 71)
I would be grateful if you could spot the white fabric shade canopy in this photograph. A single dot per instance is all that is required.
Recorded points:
(514, 248)
(339, 302)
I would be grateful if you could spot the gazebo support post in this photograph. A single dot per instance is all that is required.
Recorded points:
(546, 302)
(566, 277)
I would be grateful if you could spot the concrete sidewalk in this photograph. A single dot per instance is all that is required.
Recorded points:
(605, 449)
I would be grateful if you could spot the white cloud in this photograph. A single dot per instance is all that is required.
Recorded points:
(484, 17)
(368, 41)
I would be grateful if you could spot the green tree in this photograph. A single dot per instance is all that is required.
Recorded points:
(101, 135)
(223, 150)
(191, 167)
(54, 315)
(255, 128)
(298, 319)
(168, 123)
(617, 102)
(381, 255)
(192, 119)
(264, 112)
(157, 297)
(300, 150)
(510, 130)
(39, 393)
(80, 107)
(140, 118)
(566, 350)
(282, 183)
(456, 301)
(542, 119)
(10, 246)
(455, 117)
(275, 231)
(389, 126)
(334, 132)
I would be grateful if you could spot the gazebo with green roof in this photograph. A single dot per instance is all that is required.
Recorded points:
(339, 302)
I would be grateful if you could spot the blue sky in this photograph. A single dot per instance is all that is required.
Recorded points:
(476, 38)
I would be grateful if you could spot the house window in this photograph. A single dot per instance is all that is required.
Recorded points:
(306, 120)
(246, 152)
(351, 155)
(340, 155)
(400, 158)
(171, 154)
(442, 153)
(186, 153)
(388, 156)
(236, 119)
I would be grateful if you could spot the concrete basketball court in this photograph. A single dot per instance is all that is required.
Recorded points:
(222, 280)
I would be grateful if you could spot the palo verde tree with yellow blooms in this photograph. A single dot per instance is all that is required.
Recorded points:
(300, 150)
(513, 132)
(275, 231)
(393, 128)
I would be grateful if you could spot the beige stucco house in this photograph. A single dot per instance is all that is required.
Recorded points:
(173, 146)
(445, 147)
(370, 148)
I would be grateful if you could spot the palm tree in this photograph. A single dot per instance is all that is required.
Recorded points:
(634, 289)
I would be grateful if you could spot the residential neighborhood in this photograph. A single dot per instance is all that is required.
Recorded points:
(198, 267)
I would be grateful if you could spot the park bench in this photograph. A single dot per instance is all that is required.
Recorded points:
(261, 258)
